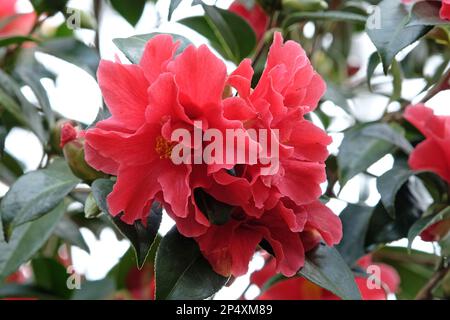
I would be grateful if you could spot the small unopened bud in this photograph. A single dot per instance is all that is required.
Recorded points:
(437, 231)
(91, 209)
(72, 143)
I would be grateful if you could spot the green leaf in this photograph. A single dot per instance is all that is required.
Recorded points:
(6, 41)
(374, 61)
(130, 10)
(392, 133)
(397, 82)
(389, 184)
(133, 47)
(218, 213)
(425, 222)
(359, 151)
(10, 169)
(172, 6)
(13, 100)
(95, 290)
(141, 236)
(69, 232)
(73, 51)
(338, 97)
(36, 193)
(26, 240)
(355, 223)
(51, 276)
(415, 268)
(49, 6)
(14, 290)
(182, 272)
(393, 34)
(228, 33)
(326, 16)
(325, 267)
(410, 204)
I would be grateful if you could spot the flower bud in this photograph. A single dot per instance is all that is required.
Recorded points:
(72, 143)
(437, 231)
(91, 209)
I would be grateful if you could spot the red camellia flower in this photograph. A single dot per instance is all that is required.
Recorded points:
(13, 23)
(148, 102)
(433, 153)
(275, 205)
(298, 288)
(445, 8)
(280, 208)
(255, 16)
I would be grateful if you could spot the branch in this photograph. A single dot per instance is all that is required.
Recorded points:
(426, 293)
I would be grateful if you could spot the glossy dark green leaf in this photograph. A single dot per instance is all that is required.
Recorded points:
(16, 40)
(141, 236)
(182, 272)
(355, 223)
(74, 52)
(51, 276)
(133, 47)
(130, 10)
(392, 34)
(374, 61)
(49, 6)
(425, 222)
(96, 290)
(390, 183)
(325, 16)
(36, 193)
(68, 230)
(228, 33)
(392, 133)
(325, 267)
(26, 114)
(338, 96)
(397, 81)
(10, 169)
(26, 240)
(359, 151)
(410, 204)
(172, 6)
(217, 212)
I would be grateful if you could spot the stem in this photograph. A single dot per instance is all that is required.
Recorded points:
(444, 84)
(426, 293)
(97, 14)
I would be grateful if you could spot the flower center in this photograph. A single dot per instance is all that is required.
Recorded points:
(164, 147)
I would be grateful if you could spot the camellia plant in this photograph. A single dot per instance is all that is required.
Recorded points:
(310, 136)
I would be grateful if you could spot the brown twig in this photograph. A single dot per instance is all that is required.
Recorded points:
(426, 293)
(97, 13)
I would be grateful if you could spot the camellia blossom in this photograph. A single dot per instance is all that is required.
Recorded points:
(13, 23)
(148, 102)
(299, 288)
(433, 153)
(278, 207)
(255, 17)
(445, 8)
(281, 208)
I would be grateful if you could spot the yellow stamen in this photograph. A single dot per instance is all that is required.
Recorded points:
(164, 147)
